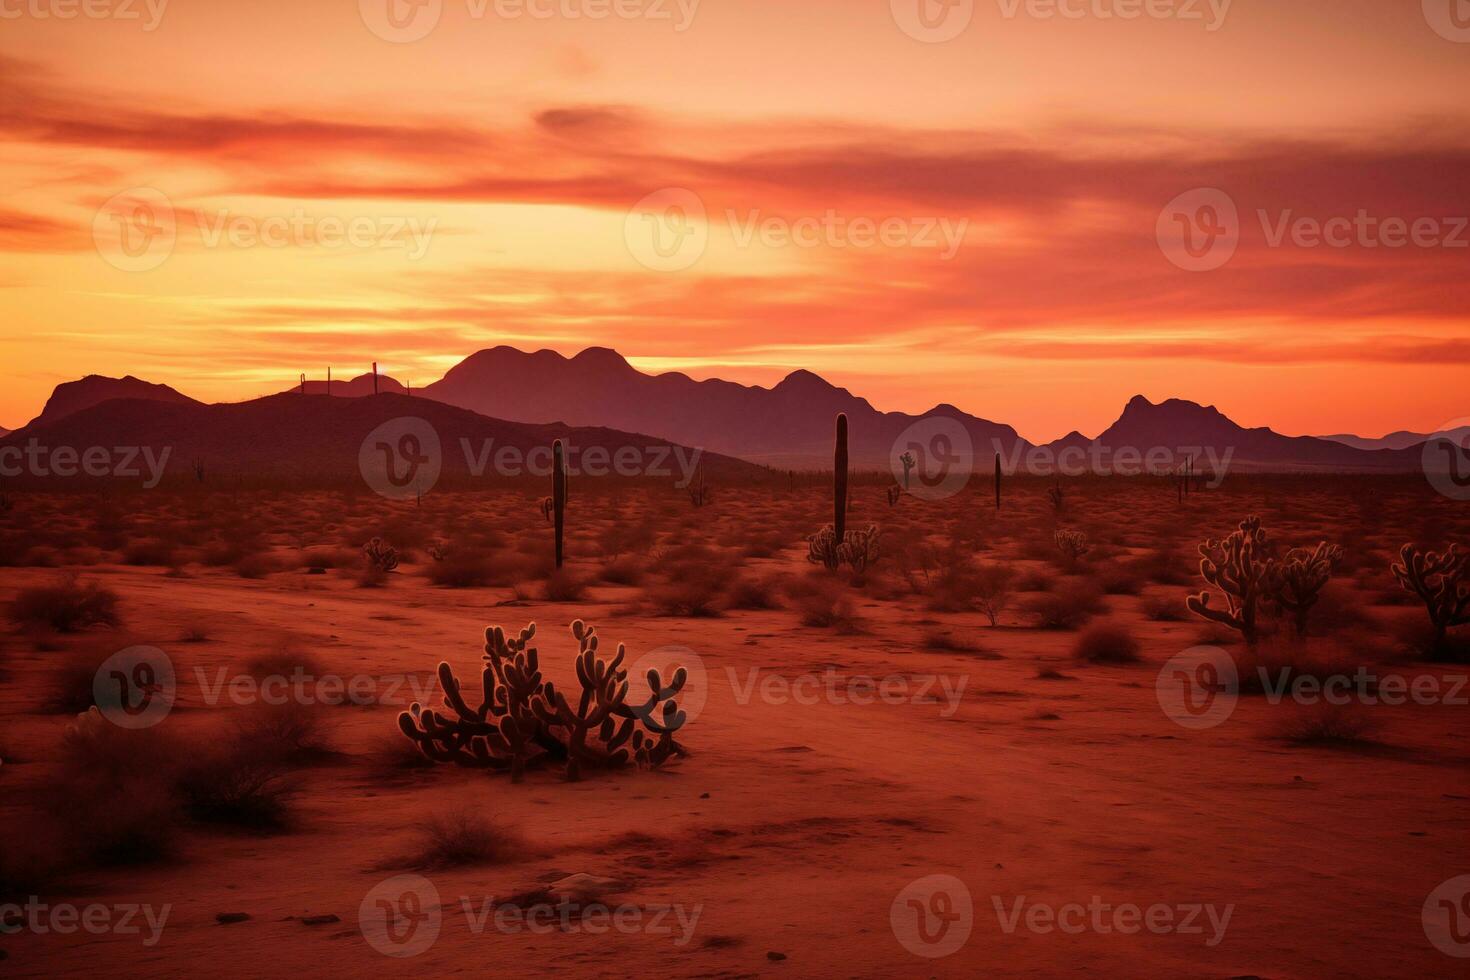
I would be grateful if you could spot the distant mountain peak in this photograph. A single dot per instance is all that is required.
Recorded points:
(74, 396)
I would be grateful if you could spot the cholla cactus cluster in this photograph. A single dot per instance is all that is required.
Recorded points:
(1245, 568)
(857, 549)
(1072, 544)
(381, 555)
(1442, 581)
(1302, 576)
(523, 719)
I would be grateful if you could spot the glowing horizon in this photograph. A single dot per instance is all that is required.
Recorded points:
(498, 165)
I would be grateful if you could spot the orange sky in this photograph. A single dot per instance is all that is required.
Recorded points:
(492, 171)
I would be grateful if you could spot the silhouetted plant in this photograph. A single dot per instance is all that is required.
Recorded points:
(1242, 567)
(1442, 581)
(381, 555)
(1302, 576)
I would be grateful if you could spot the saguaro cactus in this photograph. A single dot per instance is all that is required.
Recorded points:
(908, 461)
(997, 481)
(559, 493)
(839, 479)
(1242, 567)
(375, 377)
(303, 382)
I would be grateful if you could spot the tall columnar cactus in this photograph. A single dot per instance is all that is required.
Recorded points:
(1442, 581)
(375, 377)
(559, 494)
(1302, 576)
(522, 719)
(997, 481)
(1243, 568)
(839, 479)
(907, 460)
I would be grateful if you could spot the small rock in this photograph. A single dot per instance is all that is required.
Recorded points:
(230, 918)
(704, 796)
(316, 570)
(775, 957)
(319, 920)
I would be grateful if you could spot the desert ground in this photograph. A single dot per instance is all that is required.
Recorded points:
(848, 734)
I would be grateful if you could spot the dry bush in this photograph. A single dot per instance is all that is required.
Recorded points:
(755, 593)
(936, 639)
(1163, 608)
(1328, 724)
(1106, 643)
(1166, 566)
(112, 797)
(828, 607)
(1070, 606)
(238, 784)
(149, 551)
(623, 570)
(372, 577)
(565, 585)
(255, 566)
(461, 571)
(1276, 660)
(1035, 580)
(67, 607)
(464, 838)
(290, 733)
(1118, 579)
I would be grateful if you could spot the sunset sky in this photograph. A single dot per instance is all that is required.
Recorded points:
(520, 147)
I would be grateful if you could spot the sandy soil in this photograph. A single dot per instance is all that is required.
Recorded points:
(792, 827)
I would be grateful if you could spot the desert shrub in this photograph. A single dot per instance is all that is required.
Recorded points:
(1106, 643)
(1035, 580)
(1067, 608)
(1166, 566)
(149, 551)
(466, 837)
(754, 593)
(1276, 660)
(1327, 724)
(255, 566)
(828, 608)
(236, 784)
(288, 733)
(1163, 608)
(992, 590)
(112, 797)
(936, 639)
(693, 590)
(564, 585)
(623, 570)
(461, 571)
(1117, 579)
(67, 607)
